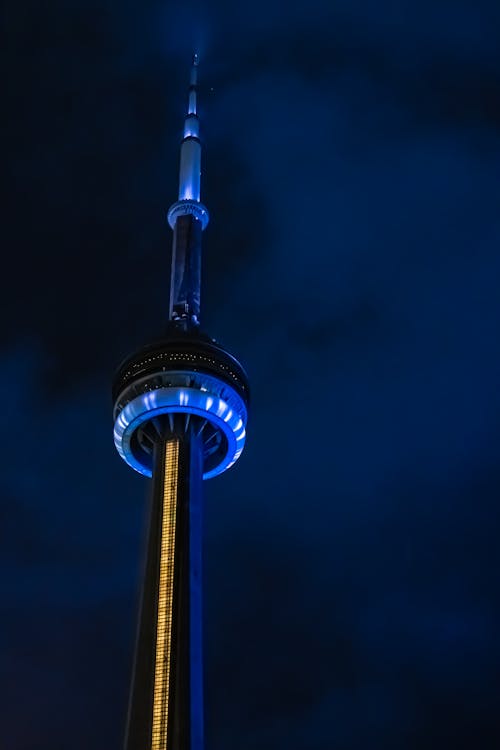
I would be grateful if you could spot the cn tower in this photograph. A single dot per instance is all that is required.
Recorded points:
(180, 413)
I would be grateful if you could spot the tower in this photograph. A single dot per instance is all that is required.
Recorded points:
(180, 412)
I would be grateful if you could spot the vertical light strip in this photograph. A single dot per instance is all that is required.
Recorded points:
(165, 598)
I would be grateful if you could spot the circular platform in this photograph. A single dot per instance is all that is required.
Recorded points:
(174, 382)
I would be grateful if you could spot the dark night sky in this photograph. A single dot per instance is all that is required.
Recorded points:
(351, 167)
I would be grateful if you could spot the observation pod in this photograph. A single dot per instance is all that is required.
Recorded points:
(180, 407)
(181, 381)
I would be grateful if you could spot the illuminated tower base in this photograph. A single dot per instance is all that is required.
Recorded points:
(166, 704)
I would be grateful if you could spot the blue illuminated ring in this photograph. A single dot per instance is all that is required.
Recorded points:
(188, 206)
(229, 419)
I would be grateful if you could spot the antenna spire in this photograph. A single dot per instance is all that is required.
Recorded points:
(190, 167)
(188, 217)
(193, 84)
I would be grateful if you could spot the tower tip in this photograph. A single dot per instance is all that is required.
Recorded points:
(194, 77)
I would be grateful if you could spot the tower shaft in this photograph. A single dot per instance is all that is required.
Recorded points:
(165, 711)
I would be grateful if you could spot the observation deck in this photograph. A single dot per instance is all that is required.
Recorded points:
(181, 379)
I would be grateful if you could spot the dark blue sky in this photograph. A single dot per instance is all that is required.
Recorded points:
(351, 167)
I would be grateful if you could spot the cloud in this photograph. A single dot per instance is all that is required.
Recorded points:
(70, 547)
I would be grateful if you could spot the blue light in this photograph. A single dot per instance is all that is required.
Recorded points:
(186, 192)
(150, 400)
(229, 419)
(191, 127)
(184, 207)
(221, 408)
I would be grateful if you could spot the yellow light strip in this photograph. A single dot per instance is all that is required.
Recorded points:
(165, 598)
